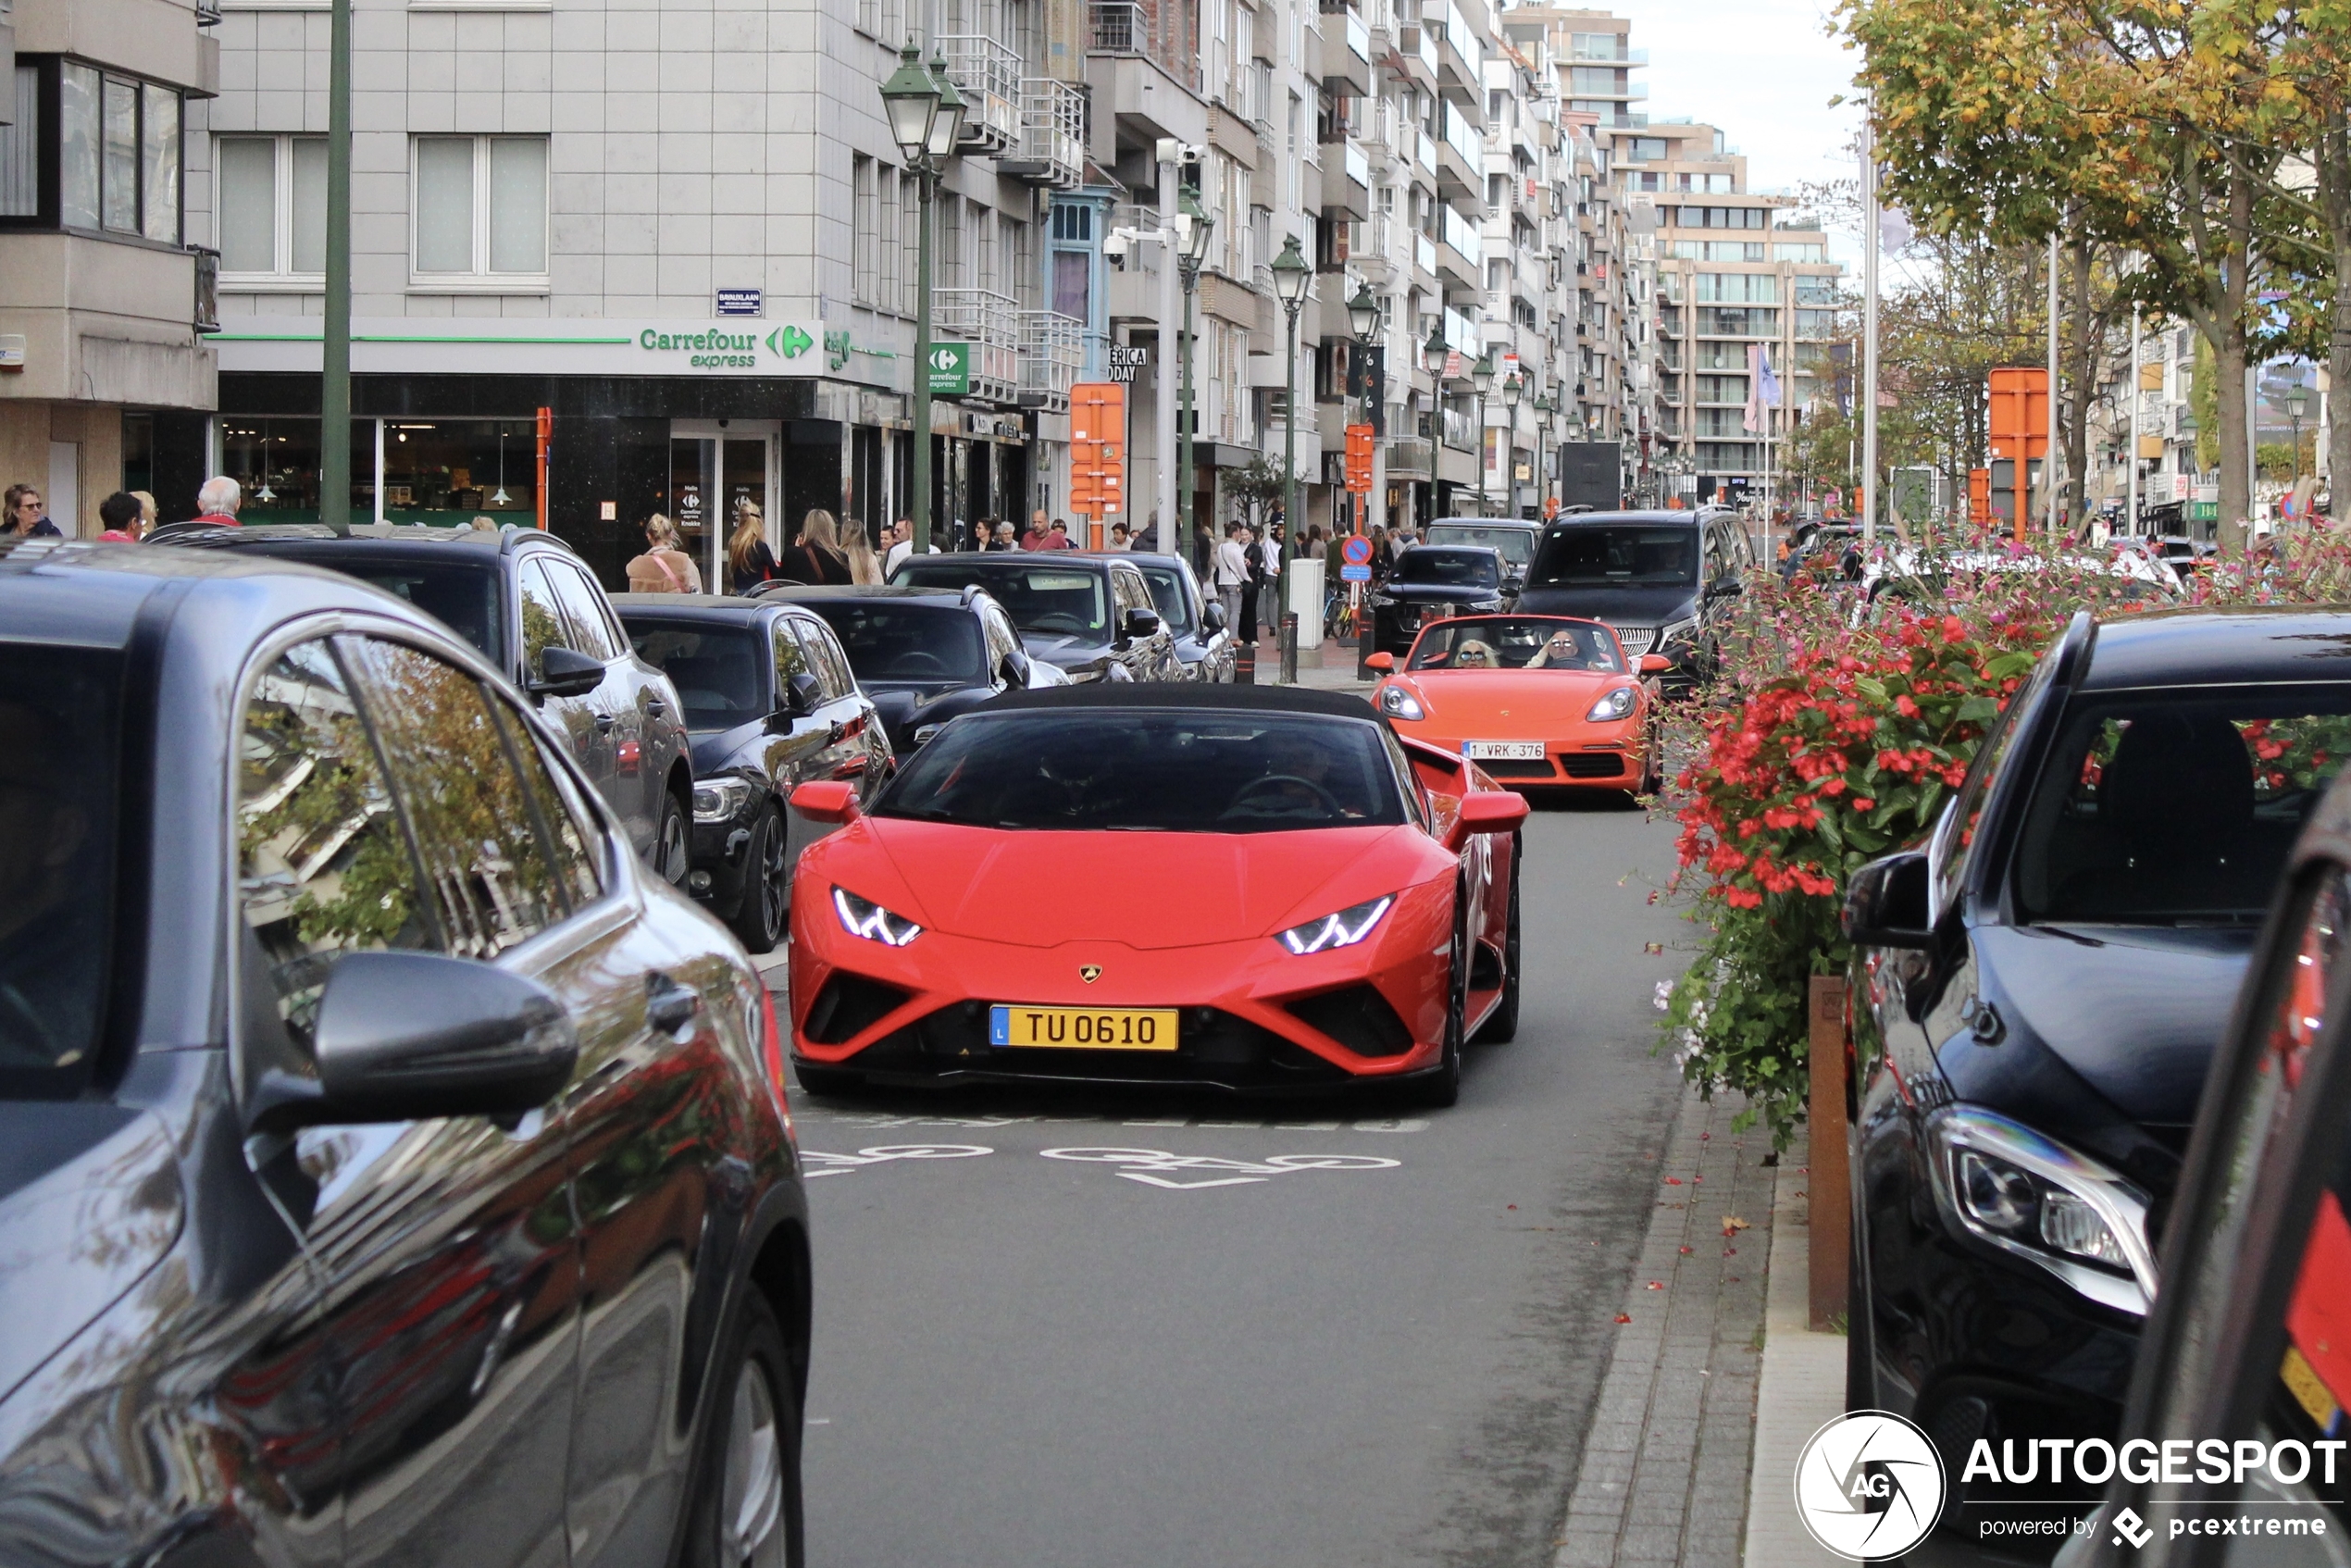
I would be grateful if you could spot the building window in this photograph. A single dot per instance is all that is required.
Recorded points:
(480, 211)
(1785, 252)
(269, 207)
(1739, 287)
(117, 153)
(864, 270)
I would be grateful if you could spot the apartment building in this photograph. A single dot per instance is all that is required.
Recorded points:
(682, 231)
(1743, 280)
(103, 303)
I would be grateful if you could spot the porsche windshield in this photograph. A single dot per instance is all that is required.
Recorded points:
(1594, 555)
(1516, 643)
(1161, 770)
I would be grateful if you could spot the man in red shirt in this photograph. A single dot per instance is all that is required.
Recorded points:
(217, 500)
(1038, 535)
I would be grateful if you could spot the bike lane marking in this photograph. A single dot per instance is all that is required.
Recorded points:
(849, 1165)
(1157, 1167)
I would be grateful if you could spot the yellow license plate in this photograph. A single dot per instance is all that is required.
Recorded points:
(1083, 1028)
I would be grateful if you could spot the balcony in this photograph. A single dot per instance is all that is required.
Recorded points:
(1051, 151)
(1346, 54)
(1424, 253)
(1122, 27)
(1409, 457)
(987, 74)
(1052, 353)
(1149, 83)
(990, 322)
(1347, 182)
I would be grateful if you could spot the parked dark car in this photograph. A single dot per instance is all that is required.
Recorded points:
(771, 703)
(1514, 536)
(1092, 615)
(526, 602)
(1203, 642)
(1431, 581)
(2038, 992)
(922, 655)
(1662, 579)
(391, 1170)
(2244, 1343)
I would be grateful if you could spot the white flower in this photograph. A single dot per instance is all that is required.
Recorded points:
(1664, 994)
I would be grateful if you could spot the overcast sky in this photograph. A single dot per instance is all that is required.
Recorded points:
(1764, 70)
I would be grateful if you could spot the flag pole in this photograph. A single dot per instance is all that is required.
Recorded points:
(1869, 333)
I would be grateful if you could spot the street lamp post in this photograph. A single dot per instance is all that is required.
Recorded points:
(1513, 388)
(1435, 355)
(1363, 318)
(1543, 411)
(1193, 228)
(925, 116)
(1481, 383)
(1291, 277)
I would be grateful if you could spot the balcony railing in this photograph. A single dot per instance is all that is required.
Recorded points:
(1052, 353)
(1053, 134)
(990, 322)
(1408, 456)
(1122, 27)
(987, 74)
(1425, 253)
(1460, 434)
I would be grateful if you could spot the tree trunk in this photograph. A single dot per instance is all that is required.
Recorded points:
(2083, 376)
(2333, 160)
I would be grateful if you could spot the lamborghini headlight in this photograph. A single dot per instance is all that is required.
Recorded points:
(863, 917)
(1345, 929)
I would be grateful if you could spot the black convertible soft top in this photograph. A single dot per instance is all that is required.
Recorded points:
(1185, 694)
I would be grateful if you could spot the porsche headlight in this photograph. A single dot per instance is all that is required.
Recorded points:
(1397, 702)
(1616, 704)
(1345, 929)
(718, 800)
(863, 917)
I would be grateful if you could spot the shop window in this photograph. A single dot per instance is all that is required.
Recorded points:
(450, 472)
(276, 462)
(270, 207)
(480, 212)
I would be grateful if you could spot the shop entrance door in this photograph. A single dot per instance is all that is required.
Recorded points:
(713, 466)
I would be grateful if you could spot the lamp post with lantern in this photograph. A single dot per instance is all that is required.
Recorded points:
(1481, 378)
(1513, 389)
(1543, 411)
(925, 117)
(1291, 278)
(1435, 354)
(1193, 228)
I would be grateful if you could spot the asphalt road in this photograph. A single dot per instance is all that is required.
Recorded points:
(1033, 1350)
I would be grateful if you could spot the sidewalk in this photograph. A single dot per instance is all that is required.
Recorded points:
(1716, 1381)
(1330, 667)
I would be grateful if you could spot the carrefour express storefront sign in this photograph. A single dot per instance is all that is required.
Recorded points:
(564, 346)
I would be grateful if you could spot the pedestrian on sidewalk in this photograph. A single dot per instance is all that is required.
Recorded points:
(662, 569)
(1232, 580)
(749, 561)
(865, 567)
(28, 518)
(217, 500)
(902, 544)
(816, 560)
(1038, 535)
(1270, 553)
(119, 512)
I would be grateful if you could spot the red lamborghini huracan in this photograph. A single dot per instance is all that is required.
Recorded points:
(1243, 887)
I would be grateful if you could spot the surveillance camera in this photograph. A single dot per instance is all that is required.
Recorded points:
(1115, 250)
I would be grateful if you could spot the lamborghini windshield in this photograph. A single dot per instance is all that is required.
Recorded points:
(1161, 770)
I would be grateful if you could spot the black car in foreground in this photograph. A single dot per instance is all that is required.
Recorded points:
(771, 704)
(529, 605)
(922, 654)
(2038, 993)
(2246, 1343)
(1662, 579)
(1430, 582)
(1203, 642)
(391, 1168)
(1091, 614)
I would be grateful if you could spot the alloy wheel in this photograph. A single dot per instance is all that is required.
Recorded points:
(672, 851)
(751, 1504)
(773, 884)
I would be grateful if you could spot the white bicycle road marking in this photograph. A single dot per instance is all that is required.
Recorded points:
(885, 1120)
(1154, 1166)
(843, 1164)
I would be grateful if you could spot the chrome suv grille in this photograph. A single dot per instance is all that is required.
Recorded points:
(1636, 638)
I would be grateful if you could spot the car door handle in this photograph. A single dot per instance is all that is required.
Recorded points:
(669, 1006)
(657, 707)
(604, 724)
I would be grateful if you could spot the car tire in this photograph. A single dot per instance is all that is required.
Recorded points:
(760, 920)
(828, 1082)
(747, 1499)
(1501, 1025)
(672, 848)
(1442, 1087)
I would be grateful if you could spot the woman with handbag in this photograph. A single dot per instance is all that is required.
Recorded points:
(662, 569)
(816, 560)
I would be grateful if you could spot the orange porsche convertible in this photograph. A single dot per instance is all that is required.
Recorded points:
(1536, 701)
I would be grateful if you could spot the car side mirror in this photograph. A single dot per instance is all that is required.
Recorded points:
(1488, 811)
(827, 800)
(1655, 664)
(1212, 618)
(1014, 670)
(566, 672)
(802, 695)
(1383, 662)
(1724, 588)
(1886, 902)
(403, 1036)
(1139, 623)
